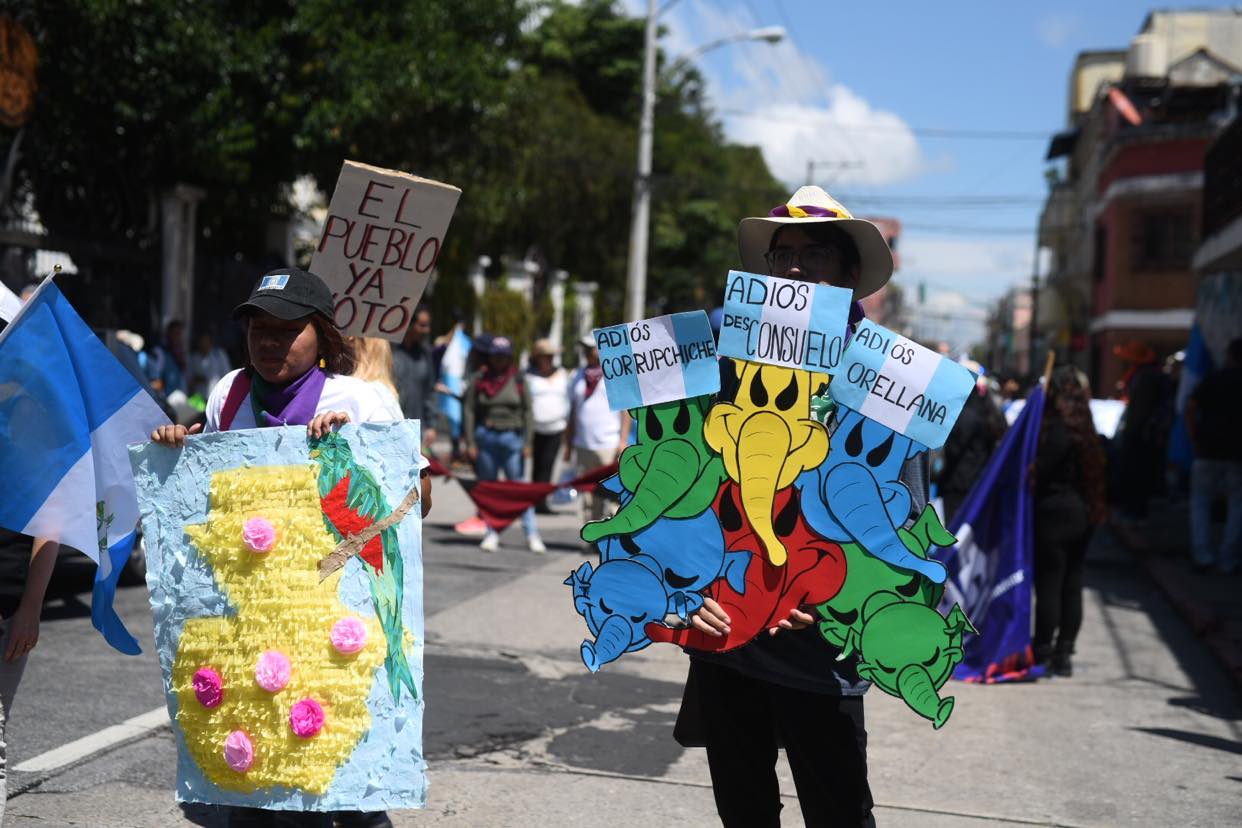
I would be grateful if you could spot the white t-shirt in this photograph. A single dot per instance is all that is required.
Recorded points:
(549, 401)
(357, 398)
(596, 426)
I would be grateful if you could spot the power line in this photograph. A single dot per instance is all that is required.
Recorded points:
(995, 200)
(926, 132)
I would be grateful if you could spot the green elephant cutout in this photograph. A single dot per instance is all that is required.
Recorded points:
(908, 650)
(670, 470)
(866, 575)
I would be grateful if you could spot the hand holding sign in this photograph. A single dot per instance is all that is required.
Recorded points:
(784, 321)
(657, 360)
(381, 239)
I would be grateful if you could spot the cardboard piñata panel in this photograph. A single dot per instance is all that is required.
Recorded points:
(286, 583)
(774, 497)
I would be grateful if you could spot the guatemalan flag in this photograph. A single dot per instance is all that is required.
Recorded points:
(67, 411)
(990, 567)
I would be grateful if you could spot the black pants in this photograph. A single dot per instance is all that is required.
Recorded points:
(1060, 557)
(239, 817)
(743, 722)
(543, 455)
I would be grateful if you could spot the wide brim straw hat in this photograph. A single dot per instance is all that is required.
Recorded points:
(811, 205)
(544, 347)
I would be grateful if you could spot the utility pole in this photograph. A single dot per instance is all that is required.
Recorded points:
(640, 220)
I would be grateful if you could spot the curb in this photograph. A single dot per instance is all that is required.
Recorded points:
(1206, 624)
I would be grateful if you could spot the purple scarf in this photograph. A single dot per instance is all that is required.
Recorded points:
(292, 404)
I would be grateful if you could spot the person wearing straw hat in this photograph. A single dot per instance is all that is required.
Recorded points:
(787, 689)
(549, 405)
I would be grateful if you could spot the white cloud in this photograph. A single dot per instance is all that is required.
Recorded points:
(784, 101)
(846, 130)
(1057, 30)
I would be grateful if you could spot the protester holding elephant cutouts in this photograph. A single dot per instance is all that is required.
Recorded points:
(787, 688)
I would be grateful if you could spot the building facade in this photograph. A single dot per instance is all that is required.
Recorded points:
(1124, 213)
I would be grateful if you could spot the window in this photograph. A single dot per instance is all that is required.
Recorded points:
(1162, 239)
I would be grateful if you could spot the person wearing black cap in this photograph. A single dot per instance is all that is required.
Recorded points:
(299, 374)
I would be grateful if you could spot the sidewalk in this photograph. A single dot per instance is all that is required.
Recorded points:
(1211, 603)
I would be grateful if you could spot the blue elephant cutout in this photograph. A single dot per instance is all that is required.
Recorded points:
(646, 575)
(855, 496)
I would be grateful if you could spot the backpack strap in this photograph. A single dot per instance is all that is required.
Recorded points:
(237, 392)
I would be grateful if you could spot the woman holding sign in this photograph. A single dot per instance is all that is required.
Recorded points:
(788, 689)
(299, 374)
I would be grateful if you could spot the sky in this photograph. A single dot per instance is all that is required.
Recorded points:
(938, 115)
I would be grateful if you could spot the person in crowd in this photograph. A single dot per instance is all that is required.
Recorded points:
(549, 403)
(26, 566)
(299, 374)
(415, 374)
(1217, 469)
(789, 688)
(971, 442)
(208, 365)
(454, 349)
(165, 364)
(1144, 427)
(497, 424)
(1071, 499)
(373, 364)
(595, 434)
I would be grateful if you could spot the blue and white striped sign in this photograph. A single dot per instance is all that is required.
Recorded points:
(656, 360)
(784, 321)
(899, 383)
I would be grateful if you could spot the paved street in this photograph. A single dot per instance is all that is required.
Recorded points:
(517, 733)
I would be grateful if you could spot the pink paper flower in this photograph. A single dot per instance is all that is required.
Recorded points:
(259, 534)
(306, 718)
(208, 687)
(272, 670)
(238, 751)
(349, 635)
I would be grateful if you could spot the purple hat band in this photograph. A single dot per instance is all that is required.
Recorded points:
(782, 211)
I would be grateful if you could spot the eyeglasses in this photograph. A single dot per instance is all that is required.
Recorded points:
(814, 258)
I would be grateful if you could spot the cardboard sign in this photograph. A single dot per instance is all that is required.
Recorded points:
(381, 239)
(657, 360)
(289, 686)
(914, 391)
(784, 322)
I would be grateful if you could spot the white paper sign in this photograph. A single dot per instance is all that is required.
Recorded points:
(380, 242)
(899, 383)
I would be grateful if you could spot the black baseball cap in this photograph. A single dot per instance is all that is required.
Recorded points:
(288, 293)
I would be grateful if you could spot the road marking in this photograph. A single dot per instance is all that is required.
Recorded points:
(125, 731)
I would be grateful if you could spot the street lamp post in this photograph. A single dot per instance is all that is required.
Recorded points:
(640, 216)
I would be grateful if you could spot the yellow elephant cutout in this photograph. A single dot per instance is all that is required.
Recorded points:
(766, 438)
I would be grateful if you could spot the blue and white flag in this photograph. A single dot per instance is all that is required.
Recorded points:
(991, 565)
(897, 382)
(68, 410)
(658, 360)
(784, 321)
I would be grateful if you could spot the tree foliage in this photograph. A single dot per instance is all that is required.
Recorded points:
(530, 107)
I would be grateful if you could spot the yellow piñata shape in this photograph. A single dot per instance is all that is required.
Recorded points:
(281, 605)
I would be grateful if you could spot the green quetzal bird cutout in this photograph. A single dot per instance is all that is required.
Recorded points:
(352, 501)
(670, 469)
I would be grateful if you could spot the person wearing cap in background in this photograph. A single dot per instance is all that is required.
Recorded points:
(549, 405)
(497, 426)
(299, 374)
(595, 435)
(787, 688)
